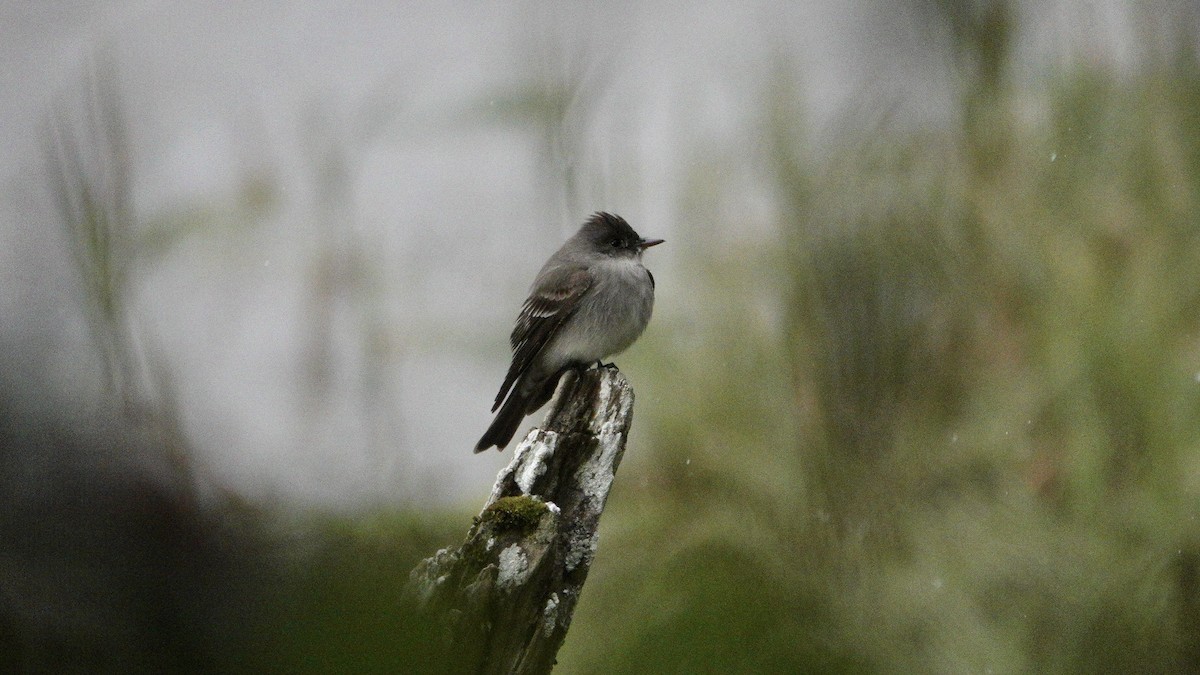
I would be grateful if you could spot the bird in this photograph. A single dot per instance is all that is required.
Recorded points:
(592, 299)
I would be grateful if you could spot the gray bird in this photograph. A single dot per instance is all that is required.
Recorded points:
(592, 299)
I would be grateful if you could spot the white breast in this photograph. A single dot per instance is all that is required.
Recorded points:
(614, 314)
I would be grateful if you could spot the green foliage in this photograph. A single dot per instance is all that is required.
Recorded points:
(340, 605)
(967, 440)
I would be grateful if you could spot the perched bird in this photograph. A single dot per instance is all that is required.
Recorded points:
(592, 299)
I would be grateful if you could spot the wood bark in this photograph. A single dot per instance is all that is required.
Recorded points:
(504, 599)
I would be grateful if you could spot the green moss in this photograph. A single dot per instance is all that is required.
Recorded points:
(513, 513)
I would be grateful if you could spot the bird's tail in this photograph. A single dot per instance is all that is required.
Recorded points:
(505, 425)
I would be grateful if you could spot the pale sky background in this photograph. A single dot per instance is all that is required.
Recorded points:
(447, 205)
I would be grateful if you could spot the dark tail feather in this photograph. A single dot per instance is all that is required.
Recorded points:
(505, 425)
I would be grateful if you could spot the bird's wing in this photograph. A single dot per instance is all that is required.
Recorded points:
(542, 314)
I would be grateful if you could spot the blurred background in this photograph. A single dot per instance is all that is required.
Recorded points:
(920, 394)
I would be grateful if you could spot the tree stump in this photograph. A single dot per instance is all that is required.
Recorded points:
(505, 597)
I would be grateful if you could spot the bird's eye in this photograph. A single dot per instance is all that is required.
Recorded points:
(615, 243)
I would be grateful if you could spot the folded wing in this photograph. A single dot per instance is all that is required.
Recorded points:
(541, 315)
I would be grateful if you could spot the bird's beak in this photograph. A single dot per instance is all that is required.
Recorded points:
(647, 243)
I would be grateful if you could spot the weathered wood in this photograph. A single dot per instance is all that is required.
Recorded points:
(505, 597)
